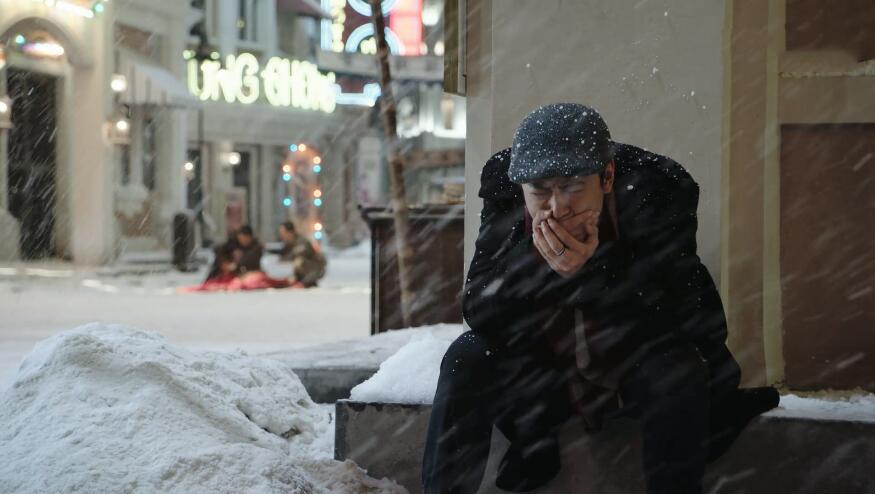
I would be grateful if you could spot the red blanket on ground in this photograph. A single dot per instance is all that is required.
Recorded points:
(256, 280)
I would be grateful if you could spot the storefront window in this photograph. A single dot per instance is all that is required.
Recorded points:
(125, 164)
(247, 20)
(210, 15)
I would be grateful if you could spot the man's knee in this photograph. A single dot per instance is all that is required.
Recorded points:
(674, 369)
(724, 371)
(469, 352)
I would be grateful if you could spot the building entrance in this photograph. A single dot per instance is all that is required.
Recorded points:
(32, 160)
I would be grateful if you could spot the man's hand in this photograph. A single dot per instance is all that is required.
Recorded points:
(565, 254)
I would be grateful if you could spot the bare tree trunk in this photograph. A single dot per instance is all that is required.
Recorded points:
(396, 167)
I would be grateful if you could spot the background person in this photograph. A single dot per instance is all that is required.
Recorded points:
(308, 263)
(247, 250)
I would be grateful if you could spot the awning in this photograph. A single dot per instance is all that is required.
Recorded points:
(150, 84)
(306, 8)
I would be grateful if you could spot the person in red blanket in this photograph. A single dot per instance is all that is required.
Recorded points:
(237, 266)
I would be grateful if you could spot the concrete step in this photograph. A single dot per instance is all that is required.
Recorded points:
(329, 384)
(330, 370)
(776, 453)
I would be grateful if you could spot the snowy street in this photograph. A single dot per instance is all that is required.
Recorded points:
(41, 300)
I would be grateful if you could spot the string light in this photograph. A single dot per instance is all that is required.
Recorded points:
(287, 168)
(287, 177)
(302, 147)
(189, 166)
(20, 39)
(317, 203)
(287, 202)
(97, 7)
(317, 193)
(317, 160)
(317, 169)
(293, 147)
(52, 50)
(122, 125)
(76, 9)
(317, 235)
(317, 227)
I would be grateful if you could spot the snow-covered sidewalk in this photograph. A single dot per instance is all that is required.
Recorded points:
(41, 300)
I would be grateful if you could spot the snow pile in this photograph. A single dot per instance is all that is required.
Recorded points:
(411, 374)
(112, 409)
(855, 405)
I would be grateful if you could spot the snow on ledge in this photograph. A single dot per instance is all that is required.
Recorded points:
(409, 376)
(862, 69)
(853, 406)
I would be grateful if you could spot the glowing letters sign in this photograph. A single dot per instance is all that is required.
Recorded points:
(403, 35)
(282, 82)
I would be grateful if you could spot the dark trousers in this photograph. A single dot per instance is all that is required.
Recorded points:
(483, 385)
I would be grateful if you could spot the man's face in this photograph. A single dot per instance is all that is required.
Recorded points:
(244, 239)
(285, 235)
(567, 198)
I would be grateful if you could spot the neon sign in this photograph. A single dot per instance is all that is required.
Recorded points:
(282, 82)
(404, 33)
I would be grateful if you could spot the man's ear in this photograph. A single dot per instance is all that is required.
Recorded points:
(608, 178)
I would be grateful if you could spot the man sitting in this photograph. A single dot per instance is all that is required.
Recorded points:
(247, 250)
(308, 263)
(585, 294)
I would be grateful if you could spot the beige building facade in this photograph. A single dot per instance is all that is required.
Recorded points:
(126, 128)
(732, 89)
(75, 123)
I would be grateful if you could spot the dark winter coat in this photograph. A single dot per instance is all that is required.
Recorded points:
(248, 257)
(644, 288)
(308, 263)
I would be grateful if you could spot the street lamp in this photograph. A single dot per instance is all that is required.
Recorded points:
(119, 83)
(5, 112)
(188, 169)
(122, 126)
(232, 159)
(118, 130)
(201, 53)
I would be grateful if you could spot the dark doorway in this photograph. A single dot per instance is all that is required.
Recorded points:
(195, 188)
(32, 166)
(241, 180)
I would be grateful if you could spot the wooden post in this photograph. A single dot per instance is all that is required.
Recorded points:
(396, 167)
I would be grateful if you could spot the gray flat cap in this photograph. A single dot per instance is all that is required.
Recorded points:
(560, 140)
